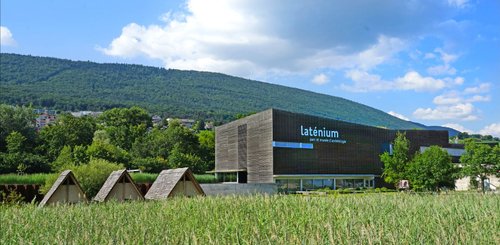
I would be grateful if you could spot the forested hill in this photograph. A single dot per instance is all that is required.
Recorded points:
(76, 85)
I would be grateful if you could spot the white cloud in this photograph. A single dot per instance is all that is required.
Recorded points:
(446, 68)
(458, 3)
(441, 70)
(6, 38)
(364, 82)
(454, 105)
(414, 81)
(459, 80)
(458, 127)
(461, 111)
(492, 129)
(429, 56)
(482, 88)
(478, 98)
(446, 57)
(455, 97)
(252, 37)
(320, 79)
(400, 116)
(448, 99)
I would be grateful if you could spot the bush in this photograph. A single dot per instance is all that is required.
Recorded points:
(150, 164)
(13, 198)
(90, 176)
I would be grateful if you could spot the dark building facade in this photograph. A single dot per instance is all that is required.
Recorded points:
(303, 152)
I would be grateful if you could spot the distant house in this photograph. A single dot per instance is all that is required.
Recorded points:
(66, 189)
(174, 182)
(188, 123)
(86, 113)
(120, 187)
(156, 120)
(209, 126)
(44, 117)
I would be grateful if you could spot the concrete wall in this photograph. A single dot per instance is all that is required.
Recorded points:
(238, 189)
(492, 184)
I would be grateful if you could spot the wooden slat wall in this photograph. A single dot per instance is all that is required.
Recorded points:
(259, 150)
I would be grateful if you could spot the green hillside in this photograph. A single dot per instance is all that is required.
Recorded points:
(75, 85)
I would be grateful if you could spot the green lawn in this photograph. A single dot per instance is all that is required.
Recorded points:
(387, 218)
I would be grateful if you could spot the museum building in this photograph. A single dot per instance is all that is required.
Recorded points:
(301, 152)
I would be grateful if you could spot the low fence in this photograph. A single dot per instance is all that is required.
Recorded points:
(28, 192)
(32, 192)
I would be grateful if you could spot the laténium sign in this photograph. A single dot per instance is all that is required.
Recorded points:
(322, 134)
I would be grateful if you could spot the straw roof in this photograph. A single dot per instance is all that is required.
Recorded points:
(167, 180)
(61, 180)
(114, 178)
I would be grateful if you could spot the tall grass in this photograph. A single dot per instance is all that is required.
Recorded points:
(39, 179)
(346, 219)
(27, 179)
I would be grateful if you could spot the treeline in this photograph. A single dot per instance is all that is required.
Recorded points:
(120, 136)
(433, 169)
(74, 85)
(477, 137)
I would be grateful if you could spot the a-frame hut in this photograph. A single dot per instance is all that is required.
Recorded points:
(174, 182)
(66, 189)
(120, 187)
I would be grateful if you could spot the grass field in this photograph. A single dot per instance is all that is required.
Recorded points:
(387, 218)
(39, 179)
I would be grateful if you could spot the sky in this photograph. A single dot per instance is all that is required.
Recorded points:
(435, 62)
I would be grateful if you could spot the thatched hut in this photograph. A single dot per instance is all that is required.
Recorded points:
(174, 182)
(66, 189)
(120, 187)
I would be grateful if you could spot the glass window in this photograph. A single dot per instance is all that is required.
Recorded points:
(348, 183)
(307, 184)
(226, 177)
(358, 183)
(328, 183)
(282, 185)
(318, 183)
(339, 183)
(293, 185)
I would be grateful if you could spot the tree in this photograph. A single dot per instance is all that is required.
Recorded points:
(67, 131)
(432, 170)
(153, 144)
(495, 158)
(178, 159)
(16, 118)
(183, 137)
(198, 126)
(125, 125)
(103, 149)
(18, 159)
(15, 142)
(207, 147)
(479, 161)
(64, 159)
(395, 165)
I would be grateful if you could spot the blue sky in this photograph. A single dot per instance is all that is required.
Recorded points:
(433, 62)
